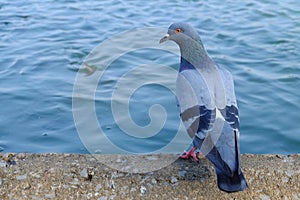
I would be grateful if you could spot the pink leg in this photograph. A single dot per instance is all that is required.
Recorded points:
(191, 153)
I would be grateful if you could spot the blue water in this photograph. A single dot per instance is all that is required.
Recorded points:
(44, 43)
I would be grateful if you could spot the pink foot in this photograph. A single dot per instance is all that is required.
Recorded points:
(191, 153)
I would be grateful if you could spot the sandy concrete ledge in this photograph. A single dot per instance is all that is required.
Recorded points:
(77, 176)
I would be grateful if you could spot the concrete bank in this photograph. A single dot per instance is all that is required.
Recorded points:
(77, 176)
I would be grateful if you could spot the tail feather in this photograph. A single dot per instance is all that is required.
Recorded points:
(229, 180)
(231, 184)
(229, 174)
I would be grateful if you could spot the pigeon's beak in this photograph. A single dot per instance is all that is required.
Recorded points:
(165, 38)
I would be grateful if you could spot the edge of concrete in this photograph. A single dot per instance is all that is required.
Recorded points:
(84, 176)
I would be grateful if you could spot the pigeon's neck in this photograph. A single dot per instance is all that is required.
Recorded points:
(194, 55)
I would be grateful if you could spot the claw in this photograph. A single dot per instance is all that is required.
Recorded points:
(191, 153)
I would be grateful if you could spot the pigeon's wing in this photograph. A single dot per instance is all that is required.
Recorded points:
(227, 143)
(225, 153)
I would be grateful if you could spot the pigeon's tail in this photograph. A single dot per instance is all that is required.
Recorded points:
(227, 165)
(229, 179)
(231, 184)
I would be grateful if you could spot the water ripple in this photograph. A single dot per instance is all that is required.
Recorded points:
(43, 44)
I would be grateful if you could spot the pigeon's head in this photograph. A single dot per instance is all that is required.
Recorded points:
(181, 32)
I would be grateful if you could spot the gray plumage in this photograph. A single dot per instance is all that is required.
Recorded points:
(208, 107)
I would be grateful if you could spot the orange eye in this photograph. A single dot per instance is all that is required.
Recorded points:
(178, 30)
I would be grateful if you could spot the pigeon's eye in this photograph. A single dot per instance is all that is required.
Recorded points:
(178, 30)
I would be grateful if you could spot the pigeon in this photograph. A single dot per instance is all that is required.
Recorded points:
(208, 107)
